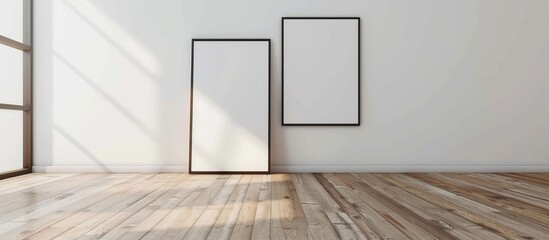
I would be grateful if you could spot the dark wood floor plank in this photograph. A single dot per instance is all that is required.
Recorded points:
(518, 185)
(375, 219)
(480, 214)
(364, 224)
(459, 227)
(535, 179)
(489, 184)
(321, 211)
(510, 207)
(411, 220)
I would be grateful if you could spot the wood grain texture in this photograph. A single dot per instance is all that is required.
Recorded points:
(224, 225)
(288, 220)
(262, 221)
(278, 206)
(245, 221)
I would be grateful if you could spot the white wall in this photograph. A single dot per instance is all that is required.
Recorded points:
(446, 85)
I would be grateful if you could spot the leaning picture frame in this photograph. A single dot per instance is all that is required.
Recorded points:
(230, 106)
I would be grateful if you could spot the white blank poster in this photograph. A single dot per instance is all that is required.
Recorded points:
(320, 71)
(230, 105)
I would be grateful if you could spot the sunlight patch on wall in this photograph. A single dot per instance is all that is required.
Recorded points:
(93, 123)
(103, 65)
(115, 33)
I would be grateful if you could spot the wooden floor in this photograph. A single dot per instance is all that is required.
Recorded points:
(278, 206)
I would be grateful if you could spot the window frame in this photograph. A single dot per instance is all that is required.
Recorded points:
(26, 107)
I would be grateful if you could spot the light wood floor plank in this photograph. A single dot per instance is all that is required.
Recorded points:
(70, 222)
(245, 221)
(170, 224)
(188, 215)
(317, 205)
(30, 200)
(161, 185)
(279, 206)
(81, 222)
(262, 222)
(162, 208)
(224, 225)
(34, 222)
(287, 216)
(29, 181)
(137, 225)
(203, 224)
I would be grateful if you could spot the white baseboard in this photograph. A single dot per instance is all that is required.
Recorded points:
(391, 169)
(292, 169)
(109, 169)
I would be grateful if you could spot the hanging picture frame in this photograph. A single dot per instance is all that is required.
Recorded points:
(320, 71)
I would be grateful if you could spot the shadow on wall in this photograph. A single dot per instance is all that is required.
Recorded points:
(81, 148)
(119, 95)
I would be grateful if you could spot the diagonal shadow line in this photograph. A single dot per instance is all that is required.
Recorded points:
(139, 65)
(80, 147)
(117, 105)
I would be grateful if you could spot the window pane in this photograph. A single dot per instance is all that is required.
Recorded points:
(11, 140)
(14, 20)
(11, 75)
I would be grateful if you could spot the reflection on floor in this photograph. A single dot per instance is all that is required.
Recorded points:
(278, 206)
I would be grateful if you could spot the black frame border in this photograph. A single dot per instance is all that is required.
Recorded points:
(268, 102)
(359, 72)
